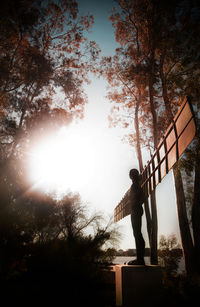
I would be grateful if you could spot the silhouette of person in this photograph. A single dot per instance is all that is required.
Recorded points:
(136, 199)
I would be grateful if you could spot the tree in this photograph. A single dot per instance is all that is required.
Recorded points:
(170, 253)
(52, 248)
(31, 222)
(43, 52)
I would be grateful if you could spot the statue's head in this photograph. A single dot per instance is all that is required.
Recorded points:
(134, 174)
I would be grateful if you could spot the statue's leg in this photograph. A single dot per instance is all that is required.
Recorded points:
(136, 220)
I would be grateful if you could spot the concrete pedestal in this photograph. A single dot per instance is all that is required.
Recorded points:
(138, 285)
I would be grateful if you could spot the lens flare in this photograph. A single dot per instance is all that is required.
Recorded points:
(66, 161)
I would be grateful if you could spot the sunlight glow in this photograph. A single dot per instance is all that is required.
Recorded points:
(66, 161)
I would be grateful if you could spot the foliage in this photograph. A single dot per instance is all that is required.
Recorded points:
(45, 244)
(170, 254)
(168, 55)
(34, 221)
(43, 53)
(179, 288)
(49, 245)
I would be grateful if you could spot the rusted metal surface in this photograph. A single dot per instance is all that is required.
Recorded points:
(176, 139)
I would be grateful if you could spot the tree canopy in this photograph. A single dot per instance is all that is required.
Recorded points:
(44, 51)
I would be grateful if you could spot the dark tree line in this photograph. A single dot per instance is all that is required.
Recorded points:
(35, 222)
(51, 249)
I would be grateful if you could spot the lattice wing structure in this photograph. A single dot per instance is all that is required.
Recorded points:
(176, 139)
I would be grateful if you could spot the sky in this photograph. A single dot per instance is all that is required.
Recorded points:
(102, 160)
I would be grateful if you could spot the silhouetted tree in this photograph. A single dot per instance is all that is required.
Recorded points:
(43, 52)
(54, 246)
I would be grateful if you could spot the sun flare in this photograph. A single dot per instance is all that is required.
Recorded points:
(66, 161)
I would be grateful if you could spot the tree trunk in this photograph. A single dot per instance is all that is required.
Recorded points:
(186, 238)
(169, 116)
(154, 229)
(27, 102)
(196, 213)
(139, 156)
(153, 112)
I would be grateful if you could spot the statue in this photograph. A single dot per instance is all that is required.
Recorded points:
(136, 200)
(172, 145)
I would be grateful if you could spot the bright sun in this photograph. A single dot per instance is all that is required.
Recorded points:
(66, 161)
